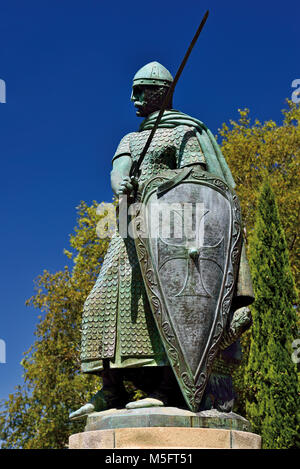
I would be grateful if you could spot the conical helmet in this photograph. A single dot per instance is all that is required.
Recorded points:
(153, 73)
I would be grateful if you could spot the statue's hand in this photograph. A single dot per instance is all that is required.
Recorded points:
(125, 186)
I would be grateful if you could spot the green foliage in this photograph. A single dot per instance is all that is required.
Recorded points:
(256, 151)
(271, 379)
(36, 415)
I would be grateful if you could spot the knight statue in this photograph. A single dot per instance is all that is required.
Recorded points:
(167, 311)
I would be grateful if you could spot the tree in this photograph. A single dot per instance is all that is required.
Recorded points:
(256, 151)
(271, 378)
(36, 415)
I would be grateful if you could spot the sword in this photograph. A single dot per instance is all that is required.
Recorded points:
(135, 169)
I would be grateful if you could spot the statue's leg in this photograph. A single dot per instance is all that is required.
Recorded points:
(161, 386)
(219, 393)
(111, 395)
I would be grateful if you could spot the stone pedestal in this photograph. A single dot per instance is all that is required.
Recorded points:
(165, 428)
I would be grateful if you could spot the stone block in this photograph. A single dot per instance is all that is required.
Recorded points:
(245, 440)
(171, 437)
(165, 438)
(165, 427)
(103, 439)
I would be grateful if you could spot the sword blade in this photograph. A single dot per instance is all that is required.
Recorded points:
(168, 96)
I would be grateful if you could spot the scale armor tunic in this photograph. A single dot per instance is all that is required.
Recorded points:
(117, 321)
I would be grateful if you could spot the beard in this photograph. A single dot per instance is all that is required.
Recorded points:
(152, 101)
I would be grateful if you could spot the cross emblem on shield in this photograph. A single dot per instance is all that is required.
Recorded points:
(190, 248)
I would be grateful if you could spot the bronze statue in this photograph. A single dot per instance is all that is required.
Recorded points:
(166, 312)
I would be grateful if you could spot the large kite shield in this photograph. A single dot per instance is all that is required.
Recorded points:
(188, 239)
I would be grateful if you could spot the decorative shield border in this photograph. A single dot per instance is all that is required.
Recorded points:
(191, 388)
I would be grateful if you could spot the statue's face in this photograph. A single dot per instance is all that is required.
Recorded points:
(147, 98)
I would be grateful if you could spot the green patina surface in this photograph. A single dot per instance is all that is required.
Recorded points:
(165, 417)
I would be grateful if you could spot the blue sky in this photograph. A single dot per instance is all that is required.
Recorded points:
(68, 67)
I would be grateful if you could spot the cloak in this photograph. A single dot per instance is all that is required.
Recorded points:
(215, 160)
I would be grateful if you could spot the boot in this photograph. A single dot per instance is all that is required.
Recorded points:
(111, 395)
